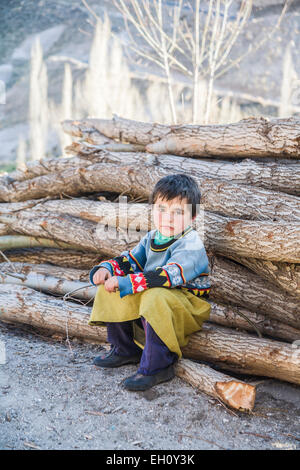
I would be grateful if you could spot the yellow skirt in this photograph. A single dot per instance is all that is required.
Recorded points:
(174, 314)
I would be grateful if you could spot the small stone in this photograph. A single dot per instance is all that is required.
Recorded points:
(150, 394)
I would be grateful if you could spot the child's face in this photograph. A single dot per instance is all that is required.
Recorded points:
(171, 217)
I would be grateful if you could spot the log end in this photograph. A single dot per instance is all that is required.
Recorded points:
(237, 395)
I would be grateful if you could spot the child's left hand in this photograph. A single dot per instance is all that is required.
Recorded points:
(111, 284)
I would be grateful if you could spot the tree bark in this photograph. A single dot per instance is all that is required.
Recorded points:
(4, 230)
(64, 258)
(254, 137)
(273, 175)
(70, 230)
(235, 285)
(246, 238)
(19, 241)
(51, 285)
(244, 353)
(235, 393)
(138, 180)
(266, 240)
(21, 304)
(234, 317)
(73, 182)
(286, 276)
(110, 146)
(45, 166)
(68, 274)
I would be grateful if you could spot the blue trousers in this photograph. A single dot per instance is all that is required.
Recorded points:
(155, 357)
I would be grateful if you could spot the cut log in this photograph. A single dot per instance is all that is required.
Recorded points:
(73, 181)
(65, 258)
(45, 166)
(138, 180)
(64, 228)
(272, 175)
(223, 236)
(234, 284)
(52, 285)
(244, 353)
(233, 392)
(238, 317)
(48, 278)
(21, 304)
(132, 216)
(19, 241)
(250, 137)
(69, 274)
(283, 275)
(266, 240)
(224, 347)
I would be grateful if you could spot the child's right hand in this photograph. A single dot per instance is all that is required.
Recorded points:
(101, 275)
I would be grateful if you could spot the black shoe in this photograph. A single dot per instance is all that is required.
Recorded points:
(111, 359)
(138, 382)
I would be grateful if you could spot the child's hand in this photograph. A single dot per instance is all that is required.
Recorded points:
(101, 275)
(112, 284)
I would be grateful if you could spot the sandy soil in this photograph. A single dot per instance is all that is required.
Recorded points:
(53, 399)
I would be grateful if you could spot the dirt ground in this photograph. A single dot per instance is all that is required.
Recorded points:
(52, 397)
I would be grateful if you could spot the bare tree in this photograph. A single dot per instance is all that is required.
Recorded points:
(199, 50)
(38, 103)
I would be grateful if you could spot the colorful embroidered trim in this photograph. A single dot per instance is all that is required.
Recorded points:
(181, 271)
(138, 282)
(135, 260)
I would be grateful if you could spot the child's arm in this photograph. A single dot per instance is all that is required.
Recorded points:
(183, 266)
(127, 262)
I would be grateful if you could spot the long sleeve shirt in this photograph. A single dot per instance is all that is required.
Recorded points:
(180, 263)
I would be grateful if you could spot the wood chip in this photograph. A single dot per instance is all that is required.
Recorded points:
(96, 413)
(31, 445)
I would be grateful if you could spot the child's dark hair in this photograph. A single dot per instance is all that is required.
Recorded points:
(178, 185)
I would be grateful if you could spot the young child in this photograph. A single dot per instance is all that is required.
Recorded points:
(151, 298)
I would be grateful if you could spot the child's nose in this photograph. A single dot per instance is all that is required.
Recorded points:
(169, 217)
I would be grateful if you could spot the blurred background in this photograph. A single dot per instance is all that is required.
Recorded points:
(168, 61)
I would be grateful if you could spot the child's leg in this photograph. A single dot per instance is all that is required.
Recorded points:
(156, 356)
(120, 335)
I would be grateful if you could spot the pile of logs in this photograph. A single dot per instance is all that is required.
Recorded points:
(61, 216)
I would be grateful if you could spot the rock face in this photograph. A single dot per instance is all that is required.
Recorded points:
(47, 39)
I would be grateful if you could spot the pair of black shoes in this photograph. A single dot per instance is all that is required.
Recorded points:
(136, 382)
